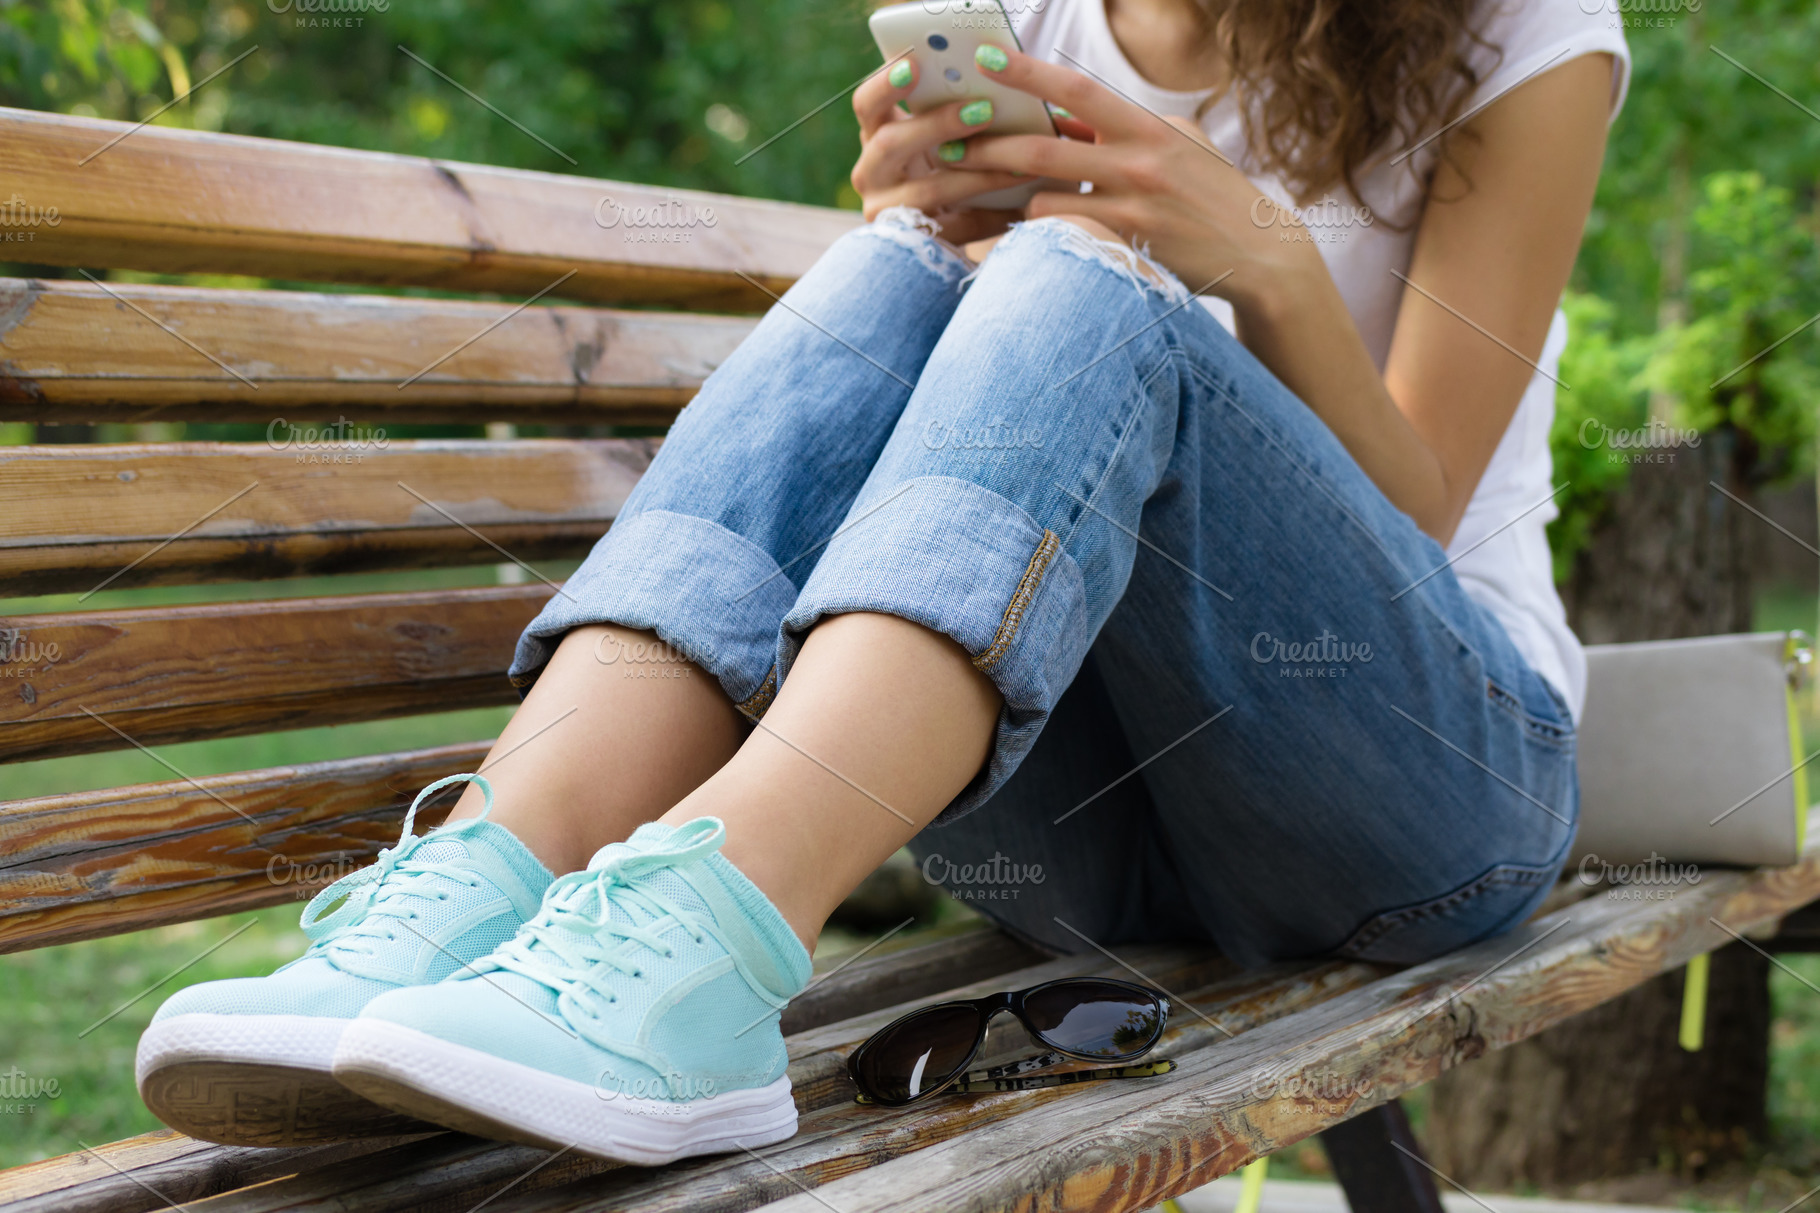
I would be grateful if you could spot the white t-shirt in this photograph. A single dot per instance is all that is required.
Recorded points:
(1500, 551)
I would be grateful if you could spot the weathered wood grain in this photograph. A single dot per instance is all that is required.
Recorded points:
(156, 1170)
(179, 673)
(838, 1137)
(398, 1181)
(1312, 1047)
(88, 864)
(890, 977)
(1117, 1146)
(72, 517)
(194, 1170)
(79, 351)
(182, 201)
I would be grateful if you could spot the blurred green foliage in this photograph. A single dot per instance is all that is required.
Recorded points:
(669, 93)
(1707, 159)
(1706, 204)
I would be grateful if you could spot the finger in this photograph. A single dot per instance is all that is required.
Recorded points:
(1039, 156)
(1114, 213)
(1071, 127)
(888, 156)
(1085, 98)
(1192, 129)
(875, 100)
(937, 191)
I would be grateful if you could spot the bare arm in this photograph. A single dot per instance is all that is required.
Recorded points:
(1497, 251)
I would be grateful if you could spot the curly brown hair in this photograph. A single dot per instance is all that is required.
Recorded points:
(1325, 85)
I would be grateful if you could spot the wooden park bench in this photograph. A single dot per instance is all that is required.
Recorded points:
(1266, 1058)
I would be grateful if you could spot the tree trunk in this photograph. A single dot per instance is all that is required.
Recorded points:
(1611, 1092)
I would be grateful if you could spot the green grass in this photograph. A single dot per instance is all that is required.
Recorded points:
(74, 1013)
(1794, 1096)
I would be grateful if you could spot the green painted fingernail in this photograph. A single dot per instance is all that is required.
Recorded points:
(991, 58)
(976, 113)
(899, 75)
(951, 151)
(1059, 112)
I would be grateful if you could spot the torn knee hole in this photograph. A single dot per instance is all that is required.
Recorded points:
(1094, 241)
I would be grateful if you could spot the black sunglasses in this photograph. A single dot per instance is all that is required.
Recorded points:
(1076, 1018)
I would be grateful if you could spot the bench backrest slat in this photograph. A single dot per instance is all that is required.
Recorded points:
(82, 352)
(145, 676)
(178, 201)
(76, 516)
(75, 519)
(97, 863)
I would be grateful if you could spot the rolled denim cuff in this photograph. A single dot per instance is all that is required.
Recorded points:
(714, 596)
(968, 563)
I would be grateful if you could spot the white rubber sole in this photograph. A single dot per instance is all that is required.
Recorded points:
(256, 1080)
(465, 1089)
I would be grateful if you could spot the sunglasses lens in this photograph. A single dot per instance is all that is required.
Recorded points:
(1095, 1018)
(918, 1054)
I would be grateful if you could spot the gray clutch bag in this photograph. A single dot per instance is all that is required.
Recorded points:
(1689, 751)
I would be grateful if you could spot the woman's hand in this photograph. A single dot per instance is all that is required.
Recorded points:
(1156, 182)
(901, 160)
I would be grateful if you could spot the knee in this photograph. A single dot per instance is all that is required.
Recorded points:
(1092, 227)
(978, 250)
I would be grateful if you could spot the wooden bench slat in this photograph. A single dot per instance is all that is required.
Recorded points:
(194, 1170)
(75, 351)
(155, 1169)
(1128, 1146)
(179, 673)
(76, 516)
(88, 864)
(180, 201)
(836, 1136)
(1351, 1042)
(384, 1183)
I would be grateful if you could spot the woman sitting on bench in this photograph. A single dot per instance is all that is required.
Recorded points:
(1178, 542)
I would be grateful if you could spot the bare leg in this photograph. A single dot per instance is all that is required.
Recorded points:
(880, 725)
(615, 731)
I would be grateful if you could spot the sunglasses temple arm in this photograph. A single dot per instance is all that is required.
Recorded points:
(1006, 1078)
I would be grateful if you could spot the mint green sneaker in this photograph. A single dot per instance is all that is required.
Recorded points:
(246, 1061)
(635, 1018)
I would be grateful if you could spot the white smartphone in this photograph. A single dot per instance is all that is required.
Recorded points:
(940, 37)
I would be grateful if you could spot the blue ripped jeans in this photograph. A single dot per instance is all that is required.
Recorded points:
(1227, 717)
